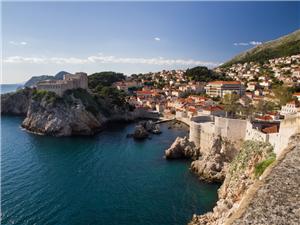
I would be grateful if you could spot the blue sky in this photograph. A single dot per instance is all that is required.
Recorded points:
(131, 37)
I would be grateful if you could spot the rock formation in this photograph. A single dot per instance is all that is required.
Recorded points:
(61, 119)
(212, 166)
(239, 177)
(182, 148)
(144, 128)
(140, 132)
(275, 198)
(78, 112)
(16, 103)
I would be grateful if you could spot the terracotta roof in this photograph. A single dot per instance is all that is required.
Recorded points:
(292, 102)
(264, 118)
(270, 130)
(224, 82)
(193, 110)
(213, 108)
(189, 100)
(200, 98)
(296, 94)
(145, 92)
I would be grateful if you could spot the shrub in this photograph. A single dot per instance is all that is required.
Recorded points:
(261, 166)
(104, 78)
(49, 96)
(249, 150)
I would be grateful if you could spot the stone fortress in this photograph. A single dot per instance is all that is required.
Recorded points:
(205, 128)
(70, 81)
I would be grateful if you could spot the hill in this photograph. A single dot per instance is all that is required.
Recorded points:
(283, 46)
(35, 79)
(203, 74)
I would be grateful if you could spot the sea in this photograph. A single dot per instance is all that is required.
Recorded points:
(106, 179)
(6, 88)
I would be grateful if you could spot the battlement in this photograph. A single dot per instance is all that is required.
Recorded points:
(203, 131)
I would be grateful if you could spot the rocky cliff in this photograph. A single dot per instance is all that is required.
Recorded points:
(16, 103)
(274, 198)
(212, 166)
(248, 197)
(78, 112)
(182, 148)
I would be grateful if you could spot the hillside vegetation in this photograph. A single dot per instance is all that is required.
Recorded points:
(203, 74)
(106, 78)
(281, 47)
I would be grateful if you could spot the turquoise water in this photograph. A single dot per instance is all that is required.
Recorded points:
(104, 179)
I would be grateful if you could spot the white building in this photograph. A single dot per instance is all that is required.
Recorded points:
(290, 108)
(221, 88)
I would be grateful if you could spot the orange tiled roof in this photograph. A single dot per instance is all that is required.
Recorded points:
(213, 108)
(193, 110)
(264, 118)
(224, 82)
(145, 92)
(270, 130)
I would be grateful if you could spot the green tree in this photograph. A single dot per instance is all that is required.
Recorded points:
(247, 108)
(264, 106)
(282, 94)
(104, 79)
(203, 74)
(230, 102)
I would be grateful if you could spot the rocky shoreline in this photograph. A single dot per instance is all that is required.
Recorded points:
(77, 113)
(232, 164)
(236, 166)
(182, 148)
(211, 166)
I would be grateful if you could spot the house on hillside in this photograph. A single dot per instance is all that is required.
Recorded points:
(221, 88)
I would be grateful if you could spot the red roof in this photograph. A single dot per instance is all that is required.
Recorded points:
(213, 108)
(293, 102)
(189, 100)
(193, 110)
(224, 82)
(200, 98)
(144, 92)
(270, 130)
(264, 118)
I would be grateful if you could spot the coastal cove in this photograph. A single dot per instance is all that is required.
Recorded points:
(102, 179)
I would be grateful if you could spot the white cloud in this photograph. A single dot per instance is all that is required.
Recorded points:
(157, 39)
(18, 43)
(100, 58)
(247, 43)
(241, 44)
(255, 42)
(21, 59)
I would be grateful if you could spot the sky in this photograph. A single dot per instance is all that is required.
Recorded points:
(43, 38)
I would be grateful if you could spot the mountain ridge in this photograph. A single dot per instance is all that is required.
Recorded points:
(35, 79)
(283, 46)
